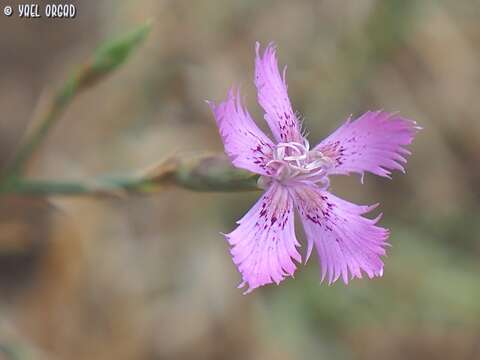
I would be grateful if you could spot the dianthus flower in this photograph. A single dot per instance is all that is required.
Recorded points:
(296, 176)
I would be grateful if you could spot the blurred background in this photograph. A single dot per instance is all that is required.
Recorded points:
(151, 277)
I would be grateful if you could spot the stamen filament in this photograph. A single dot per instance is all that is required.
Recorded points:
(294, 161)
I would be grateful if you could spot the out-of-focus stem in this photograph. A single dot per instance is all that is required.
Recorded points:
(103, 61)
(101, 187)
(55, 109)
(198, 173)
(208, 173)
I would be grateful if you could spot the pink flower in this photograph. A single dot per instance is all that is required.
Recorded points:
(295, 175)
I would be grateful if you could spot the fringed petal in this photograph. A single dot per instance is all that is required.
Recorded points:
(346, 242)
(245, 144)
(273, 97)
(375, 142)
(264, 243)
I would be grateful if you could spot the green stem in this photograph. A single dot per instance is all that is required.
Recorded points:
(198, 173)
(104, 60)
(46, 188)
(205, 173)
(60, 102)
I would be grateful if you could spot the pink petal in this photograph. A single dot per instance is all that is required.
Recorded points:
(245, 144)
(264, 243)
(374, 142)
(273, 97)
(346, 242)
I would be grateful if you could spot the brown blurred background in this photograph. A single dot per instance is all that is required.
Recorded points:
(151, 277)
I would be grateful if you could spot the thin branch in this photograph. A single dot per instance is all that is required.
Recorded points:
(206, 173)
(104, 60)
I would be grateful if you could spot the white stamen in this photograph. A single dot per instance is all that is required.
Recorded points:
(294, 161)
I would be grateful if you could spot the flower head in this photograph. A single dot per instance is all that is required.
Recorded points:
(296, 176)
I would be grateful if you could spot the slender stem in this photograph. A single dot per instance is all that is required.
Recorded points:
(56, 108)
(109, 187)
(207, 173)
(197, 173)
(112, 187)
(103, 61)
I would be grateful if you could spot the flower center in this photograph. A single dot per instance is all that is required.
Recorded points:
(293, 161)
